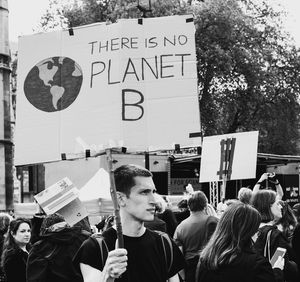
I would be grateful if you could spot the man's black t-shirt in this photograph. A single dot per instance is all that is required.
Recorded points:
(146, 258)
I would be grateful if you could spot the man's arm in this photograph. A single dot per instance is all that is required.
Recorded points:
(115, 265)
(175, 278)
(89, 273)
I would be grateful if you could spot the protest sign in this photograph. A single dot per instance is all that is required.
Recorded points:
(62, 197)
(229, 157)
(132, 84)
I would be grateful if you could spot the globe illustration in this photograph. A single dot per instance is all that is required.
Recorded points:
(53, 84)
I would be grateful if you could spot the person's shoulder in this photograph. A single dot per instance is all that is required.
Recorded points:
(212, 218)
(13, 254)
(157, 234)
(252, 258)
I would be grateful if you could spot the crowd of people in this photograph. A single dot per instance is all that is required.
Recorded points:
(236, 242)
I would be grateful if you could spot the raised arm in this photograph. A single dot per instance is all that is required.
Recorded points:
(258, 183)
(273, 180)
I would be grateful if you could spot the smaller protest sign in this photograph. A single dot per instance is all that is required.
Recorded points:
(229, 157)
(57, 196)
(62, 197)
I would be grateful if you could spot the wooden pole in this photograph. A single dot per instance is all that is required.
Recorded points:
(114, 197)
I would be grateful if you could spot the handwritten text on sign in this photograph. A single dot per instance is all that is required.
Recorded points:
(127, 83)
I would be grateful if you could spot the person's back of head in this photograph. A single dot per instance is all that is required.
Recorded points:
(244, 195)
(49, 221)
(262, 201)
(197, 201)
(5, 219)
(288, 221)
(232, 235)
(125, 174)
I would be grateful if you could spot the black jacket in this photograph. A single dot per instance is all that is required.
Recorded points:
(50, 259)
(15, 265)
(277, 239)
(247, 267)
(296, 245)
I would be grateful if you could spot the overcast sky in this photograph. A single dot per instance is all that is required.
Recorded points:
(24, 15)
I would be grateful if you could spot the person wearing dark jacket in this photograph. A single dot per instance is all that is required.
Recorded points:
(50, 258)
(5, 219)
(269, 237)
(228, 255)
(15, 250)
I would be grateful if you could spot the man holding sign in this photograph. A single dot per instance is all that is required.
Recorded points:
(148, 255)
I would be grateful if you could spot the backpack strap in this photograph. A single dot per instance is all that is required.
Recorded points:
(165, 238)
(102, 246)
(267, 247)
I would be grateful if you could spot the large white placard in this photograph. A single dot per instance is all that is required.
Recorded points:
(243, 156)
(132, 84)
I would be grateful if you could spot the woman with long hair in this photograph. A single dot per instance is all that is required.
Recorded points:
(269, 237)
(228, 255)
(287, 223)
(5, 219)
(15, 250)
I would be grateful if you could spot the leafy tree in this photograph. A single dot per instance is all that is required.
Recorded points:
(248, 73)
(248, 70)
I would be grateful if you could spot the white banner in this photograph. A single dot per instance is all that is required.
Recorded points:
(132, 84)
(233, 156)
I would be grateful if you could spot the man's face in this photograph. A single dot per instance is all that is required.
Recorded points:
(140, 204)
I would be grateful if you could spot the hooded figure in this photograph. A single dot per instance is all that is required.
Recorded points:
(50, 258)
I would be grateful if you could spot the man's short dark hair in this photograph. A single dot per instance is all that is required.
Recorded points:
(197, 202)
(125, 174)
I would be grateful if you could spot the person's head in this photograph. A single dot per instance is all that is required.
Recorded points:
(18, 236)
(160, 203)
(126, 175)
(19, 231)
(244, 195)
(51, 220)
(135, 189)
(288, 221)
(5, 219)
(232, 235)
(197, 201)
(267, 204)
(230, 202)
(182, 204)
(296, 211)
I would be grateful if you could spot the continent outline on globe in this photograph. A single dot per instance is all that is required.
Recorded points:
(53, 84)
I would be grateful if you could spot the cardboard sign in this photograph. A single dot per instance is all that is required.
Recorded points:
(57, 196)
(62, 197)
(74, 211)
(132, 84)
(230, 156)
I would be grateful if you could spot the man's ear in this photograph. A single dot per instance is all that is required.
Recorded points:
(121, 199)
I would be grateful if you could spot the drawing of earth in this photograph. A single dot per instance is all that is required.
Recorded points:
(53, 84)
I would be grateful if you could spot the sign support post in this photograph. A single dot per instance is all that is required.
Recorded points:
(114, 198)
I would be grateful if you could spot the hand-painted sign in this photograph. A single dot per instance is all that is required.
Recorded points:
(132, 84)
(229, 157)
